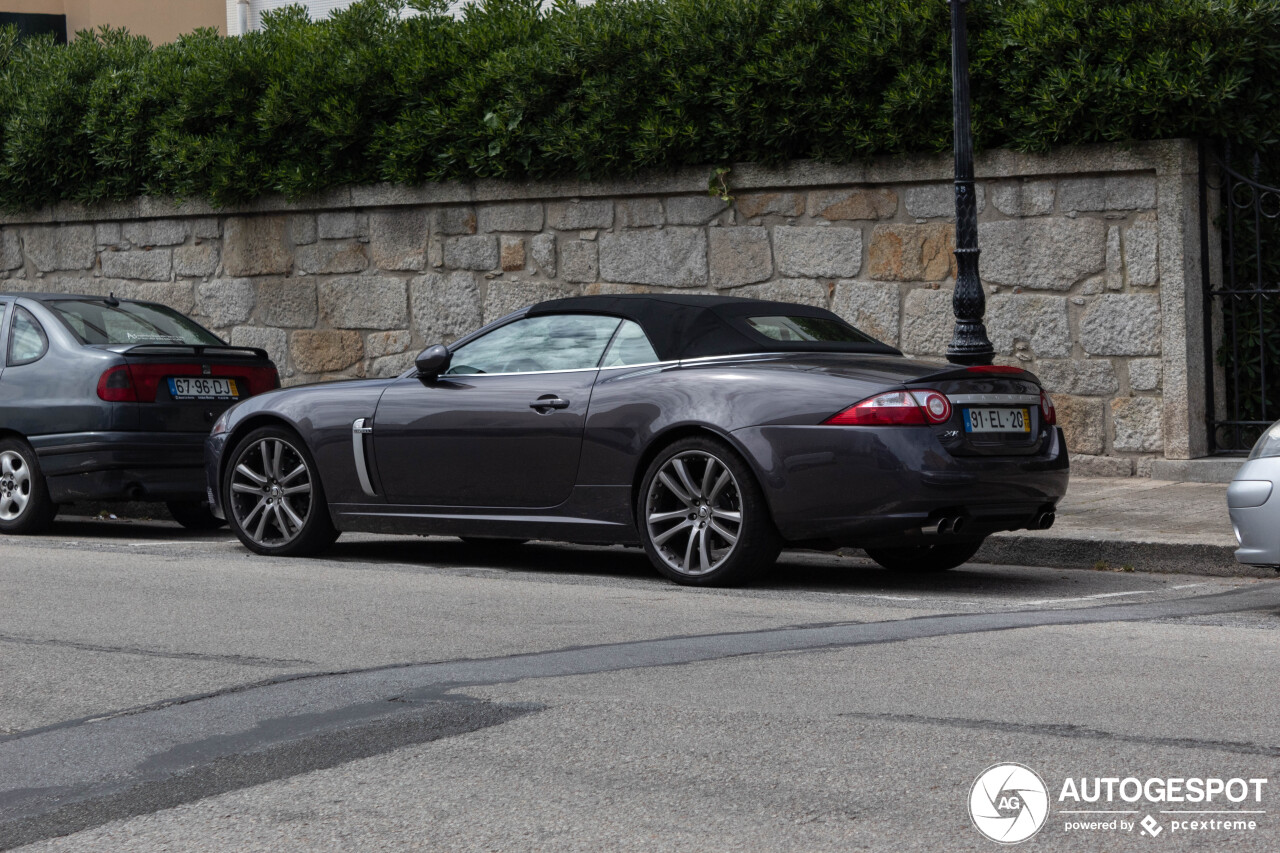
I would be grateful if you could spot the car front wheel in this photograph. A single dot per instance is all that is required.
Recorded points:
(25, 506)
(702, 517)
(273, 496)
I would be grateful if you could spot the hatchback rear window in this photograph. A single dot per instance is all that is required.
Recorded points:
(95, 322)
(807, 329)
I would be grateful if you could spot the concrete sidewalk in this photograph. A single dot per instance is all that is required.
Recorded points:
(1149, 525)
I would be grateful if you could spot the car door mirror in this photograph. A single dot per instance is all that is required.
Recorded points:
(433, 361)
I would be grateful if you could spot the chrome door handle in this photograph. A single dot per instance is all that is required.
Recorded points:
(549, 402)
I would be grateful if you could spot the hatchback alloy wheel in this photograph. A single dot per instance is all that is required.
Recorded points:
(25, 505)
(15, 485)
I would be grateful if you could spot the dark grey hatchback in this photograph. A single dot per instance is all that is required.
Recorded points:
(104, 399)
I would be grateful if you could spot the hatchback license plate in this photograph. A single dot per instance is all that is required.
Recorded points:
(203, 388)
(997, 420)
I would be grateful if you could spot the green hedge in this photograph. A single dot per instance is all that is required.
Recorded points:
(616, 88)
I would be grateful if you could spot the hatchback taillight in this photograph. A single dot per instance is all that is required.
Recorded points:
(896, 408)
(115, 386)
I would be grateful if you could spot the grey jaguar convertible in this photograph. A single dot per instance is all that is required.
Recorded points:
(712, 431)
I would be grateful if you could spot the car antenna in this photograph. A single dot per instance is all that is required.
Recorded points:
(112, 301)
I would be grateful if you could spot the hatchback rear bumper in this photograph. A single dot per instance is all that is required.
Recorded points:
(143, 466)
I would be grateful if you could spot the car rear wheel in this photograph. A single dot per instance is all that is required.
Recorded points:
(25, 506)
(924, 559)
(702, 517)
(275, 502)
(194, 515)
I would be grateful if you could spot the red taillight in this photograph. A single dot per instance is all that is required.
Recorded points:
(138, 383)
(937, 408)
(993, 368)
(1047, 410)
(896, 408)
(114, 386)
(259, 378)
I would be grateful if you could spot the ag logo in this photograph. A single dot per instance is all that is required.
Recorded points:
(1008, 803)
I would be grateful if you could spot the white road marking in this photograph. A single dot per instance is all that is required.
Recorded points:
(1089, 597)
(168, 542)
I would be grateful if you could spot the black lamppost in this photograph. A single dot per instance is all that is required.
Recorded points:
(969, 343)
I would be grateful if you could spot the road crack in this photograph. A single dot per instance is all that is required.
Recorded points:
(242, 660)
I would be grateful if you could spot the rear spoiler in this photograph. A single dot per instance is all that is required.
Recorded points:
(222, 350)
(977, 371)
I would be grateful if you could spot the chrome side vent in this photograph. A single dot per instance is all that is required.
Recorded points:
(358, 432)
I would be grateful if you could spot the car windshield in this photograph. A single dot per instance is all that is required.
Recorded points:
(101, 322)
(806, 329)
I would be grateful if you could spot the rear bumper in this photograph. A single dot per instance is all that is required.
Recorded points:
(152, 466)
(872, 485)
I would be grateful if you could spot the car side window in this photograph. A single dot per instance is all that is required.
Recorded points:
(534, 344)
(630, 346)
(27, 340)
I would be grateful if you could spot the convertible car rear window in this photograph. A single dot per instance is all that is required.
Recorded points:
(95, 322)
(806, 329)
(556, 342)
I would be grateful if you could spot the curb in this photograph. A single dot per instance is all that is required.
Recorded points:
(1065, 552)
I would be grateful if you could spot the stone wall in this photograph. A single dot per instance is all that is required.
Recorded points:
(1089, 256)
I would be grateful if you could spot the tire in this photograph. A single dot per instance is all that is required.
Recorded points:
(194, 515)
(925, 559)
(273, 496)
(701, 485)
(25, 506)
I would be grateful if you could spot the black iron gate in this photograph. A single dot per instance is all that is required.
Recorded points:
(1242, 311)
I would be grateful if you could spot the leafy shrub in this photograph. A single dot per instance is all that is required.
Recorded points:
(511, 90)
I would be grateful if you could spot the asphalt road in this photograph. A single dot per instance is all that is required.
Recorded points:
(167, 691)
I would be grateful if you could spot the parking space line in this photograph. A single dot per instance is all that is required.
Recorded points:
(1089, 597)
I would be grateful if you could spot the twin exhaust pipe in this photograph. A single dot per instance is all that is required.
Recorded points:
(1043, 520)
(949, 525)
(954, 525)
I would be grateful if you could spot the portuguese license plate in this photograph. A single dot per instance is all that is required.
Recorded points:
(997, 420)
(202, 388)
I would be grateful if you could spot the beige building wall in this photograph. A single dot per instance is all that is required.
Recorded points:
(158, 20)
(33, 7)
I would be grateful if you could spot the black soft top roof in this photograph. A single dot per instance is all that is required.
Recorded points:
(696, 326)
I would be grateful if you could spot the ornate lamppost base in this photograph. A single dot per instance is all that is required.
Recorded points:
(970, 346)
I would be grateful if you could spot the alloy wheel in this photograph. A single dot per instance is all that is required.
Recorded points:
(15, 485)
(271, 492)
(693, 513)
